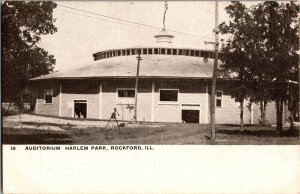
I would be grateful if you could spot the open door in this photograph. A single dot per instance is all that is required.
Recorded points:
(190, 116)
(80, 108)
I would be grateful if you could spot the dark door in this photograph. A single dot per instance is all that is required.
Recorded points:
(80, 110)
(190, 116)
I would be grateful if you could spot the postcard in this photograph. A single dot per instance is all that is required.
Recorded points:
(150, 97)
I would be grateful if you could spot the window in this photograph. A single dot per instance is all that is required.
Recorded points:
(48, 94)
(187, 52)
(219, 95)
(150, 51)
(168, 95)
(156, 51)
(180, 52)
(128, 52)
(123, 52)
(174, 51)
(133, 51)
(192, 53)
(202, 54)
(144, 51)
(169, 51)
(125, 96)
(163, 51)
(119, 52)
(126, 93)
(197, 53)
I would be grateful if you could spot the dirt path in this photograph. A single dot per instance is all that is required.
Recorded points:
(50, 123)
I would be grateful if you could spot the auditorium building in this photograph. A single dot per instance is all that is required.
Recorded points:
(174, 86)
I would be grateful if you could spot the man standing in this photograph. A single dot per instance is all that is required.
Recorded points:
(113, 118)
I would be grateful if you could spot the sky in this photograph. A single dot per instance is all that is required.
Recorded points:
(81, 34)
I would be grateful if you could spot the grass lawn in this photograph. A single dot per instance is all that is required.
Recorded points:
(37, 131)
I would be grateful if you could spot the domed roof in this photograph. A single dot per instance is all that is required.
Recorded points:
(151, 66)
(161, 60)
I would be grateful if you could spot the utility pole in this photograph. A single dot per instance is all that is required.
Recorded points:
(139, 58)
(214, 77)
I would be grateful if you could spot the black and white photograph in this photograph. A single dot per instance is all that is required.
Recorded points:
(137, 75)
(140, 73)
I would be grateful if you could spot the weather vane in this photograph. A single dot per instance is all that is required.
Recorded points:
(164, 20)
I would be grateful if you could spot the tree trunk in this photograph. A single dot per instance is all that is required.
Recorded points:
(242, 115)
(291, 121)
(7, 111)
(279, 110)
(291, 109)
(263, 106)
(20, 119)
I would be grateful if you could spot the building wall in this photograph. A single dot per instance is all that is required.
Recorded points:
(80, 90)
(270, 113)
(229, 112)
(47, 109)
(191, 92)
(192, 96)
(109, 96)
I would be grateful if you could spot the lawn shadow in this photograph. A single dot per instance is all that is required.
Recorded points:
(37, 138)
(259, 133)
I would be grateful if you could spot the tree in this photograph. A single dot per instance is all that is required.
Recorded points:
(23, 24)
(234, 54)
(263, 49)
(278, 27)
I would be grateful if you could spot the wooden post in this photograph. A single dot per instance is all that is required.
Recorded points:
(214, 77)
(136, 87)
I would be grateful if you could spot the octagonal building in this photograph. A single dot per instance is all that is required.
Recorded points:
(174, 86)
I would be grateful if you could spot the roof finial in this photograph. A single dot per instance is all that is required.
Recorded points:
(164, 19)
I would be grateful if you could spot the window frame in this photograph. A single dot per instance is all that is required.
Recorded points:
(219, 98)
(168, 102)
(44, 99)
(118, 99)
(82, 101)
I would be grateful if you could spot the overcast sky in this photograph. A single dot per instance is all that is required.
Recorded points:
(81, 34)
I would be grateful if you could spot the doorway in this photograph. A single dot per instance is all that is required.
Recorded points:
(80, 108)
(190, 116)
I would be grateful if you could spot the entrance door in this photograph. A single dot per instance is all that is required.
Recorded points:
(80, 108)
(190, 116)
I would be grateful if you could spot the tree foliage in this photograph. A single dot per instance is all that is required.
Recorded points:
(261, 50)
(23, 23)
